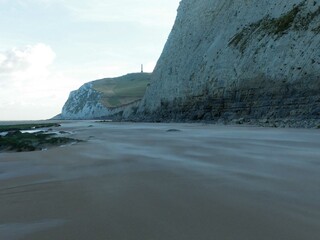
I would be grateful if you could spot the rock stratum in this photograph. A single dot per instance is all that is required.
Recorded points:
(106, 97)
(244, 61)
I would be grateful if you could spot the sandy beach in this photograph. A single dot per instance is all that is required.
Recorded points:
(137, 181)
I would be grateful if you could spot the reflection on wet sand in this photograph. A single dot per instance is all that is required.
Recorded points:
(138, 181)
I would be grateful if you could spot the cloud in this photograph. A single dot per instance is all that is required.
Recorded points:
(30, 60)
(29, 87)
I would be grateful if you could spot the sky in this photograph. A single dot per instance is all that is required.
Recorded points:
(51, 47)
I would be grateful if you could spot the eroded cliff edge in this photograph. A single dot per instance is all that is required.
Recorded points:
(251, 61)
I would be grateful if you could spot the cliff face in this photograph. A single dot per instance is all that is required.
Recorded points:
(106, 97)
(84, 103)
(256, 60)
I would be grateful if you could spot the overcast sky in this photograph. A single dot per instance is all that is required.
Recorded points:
(50, 47)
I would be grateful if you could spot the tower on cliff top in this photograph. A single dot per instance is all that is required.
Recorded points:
(141, 68)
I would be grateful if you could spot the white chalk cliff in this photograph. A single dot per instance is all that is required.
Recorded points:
(252, 59)
(84, 103)
(106, 97)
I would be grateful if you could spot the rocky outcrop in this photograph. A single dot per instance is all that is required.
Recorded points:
(106, 97)
(84, 103)
(239, 61)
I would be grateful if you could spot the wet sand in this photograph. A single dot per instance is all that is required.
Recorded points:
(135, 181)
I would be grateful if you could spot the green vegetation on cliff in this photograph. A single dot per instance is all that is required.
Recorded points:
(122, 90)
(294, 20)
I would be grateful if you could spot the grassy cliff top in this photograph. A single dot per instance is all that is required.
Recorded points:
(122, 90)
